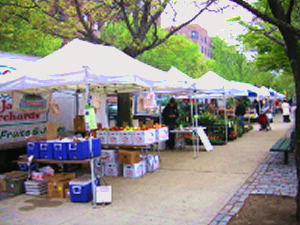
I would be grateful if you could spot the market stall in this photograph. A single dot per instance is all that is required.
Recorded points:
(88, 68)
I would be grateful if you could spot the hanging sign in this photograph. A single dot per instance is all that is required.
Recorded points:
(30, 102)
(90, 117)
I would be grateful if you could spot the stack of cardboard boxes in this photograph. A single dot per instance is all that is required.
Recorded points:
(128, 163)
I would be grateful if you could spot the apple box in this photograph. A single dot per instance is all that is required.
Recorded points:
(133, 171)
(103, 135)
(113, 137)
(143, 137)
(126, 137)
(113, 169)
(110, 156)
(162, 134)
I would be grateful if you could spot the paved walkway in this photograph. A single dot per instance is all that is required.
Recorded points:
(271, 178)
(202, 191)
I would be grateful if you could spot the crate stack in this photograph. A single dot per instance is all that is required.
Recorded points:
(128, 163)
(65, 149)
(35, 187)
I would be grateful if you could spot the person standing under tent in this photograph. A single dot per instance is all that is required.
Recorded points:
(240, 112)
(212, 107)
(170, 115)
(286, 111)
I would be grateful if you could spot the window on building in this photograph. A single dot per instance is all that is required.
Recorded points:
(195, 35)
(205, 39)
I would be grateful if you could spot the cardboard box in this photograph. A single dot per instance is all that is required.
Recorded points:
(61, 176)
(129, 157)
(126, 138)
(67, 192)
(152, 163)
(133, 171)
(58, 183)
(113, 169)
(143, 137)
(103, 135)
(79, 123)
(161, 134)
(113, 137)
(110, 156)
(57, 189)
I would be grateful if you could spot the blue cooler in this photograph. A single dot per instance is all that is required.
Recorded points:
(46, 150)
(23, 166)
(81, 189)
(78, 150)
(60, 151)
(96, 147)
(33, 149)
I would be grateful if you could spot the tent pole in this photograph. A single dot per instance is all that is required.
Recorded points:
(225, 118)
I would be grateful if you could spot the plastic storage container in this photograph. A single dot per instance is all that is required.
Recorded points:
(33, 148)
(78, 150)
(81, 189)
(60, 151)
(46, 150)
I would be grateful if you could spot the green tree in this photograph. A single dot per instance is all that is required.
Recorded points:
(177, 51)
(18, 35)
(284, 17)
(234, 65)
(84, 19)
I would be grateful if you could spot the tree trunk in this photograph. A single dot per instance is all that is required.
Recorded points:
(293, 52)
(124, 109)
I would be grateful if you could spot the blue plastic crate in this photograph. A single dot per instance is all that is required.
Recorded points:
(23, 166)
(78, 150)
(33, 148)
(96, 147)
(81, 189)
(46, 150)
(60, 151)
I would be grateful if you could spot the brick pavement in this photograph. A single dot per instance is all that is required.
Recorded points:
(272, 177)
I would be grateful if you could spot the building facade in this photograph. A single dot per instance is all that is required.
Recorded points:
(198, 35)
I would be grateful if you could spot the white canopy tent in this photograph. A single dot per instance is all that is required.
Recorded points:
(212, 83)
(106, 69)
(249, 88)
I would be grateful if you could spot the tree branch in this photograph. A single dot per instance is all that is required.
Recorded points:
(290, 10)
(267, 18)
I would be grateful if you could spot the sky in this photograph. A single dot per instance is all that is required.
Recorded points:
(214, 23)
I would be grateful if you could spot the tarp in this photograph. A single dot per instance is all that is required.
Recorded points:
(173, 82)
(212, 83)
(252, 90)
(107, 69)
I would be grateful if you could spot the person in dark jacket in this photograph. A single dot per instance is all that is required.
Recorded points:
(170, 115)
(240, 112)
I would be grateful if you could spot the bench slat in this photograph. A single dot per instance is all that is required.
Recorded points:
(277, 145)
(282, 145)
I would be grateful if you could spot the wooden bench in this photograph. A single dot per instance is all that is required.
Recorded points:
(283, 145)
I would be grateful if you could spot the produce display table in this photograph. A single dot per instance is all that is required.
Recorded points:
(23, 158)
(197, 132)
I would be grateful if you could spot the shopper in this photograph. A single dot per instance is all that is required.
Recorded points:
(170, 115)
(286, 111)
(240, 111)
(212, 107)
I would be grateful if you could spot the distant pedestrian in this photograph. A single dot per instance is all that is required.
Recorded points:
(286, 111)
(240, 112)
(170, 115)
(212, 107)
